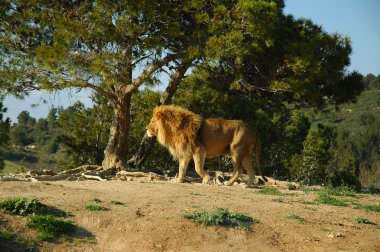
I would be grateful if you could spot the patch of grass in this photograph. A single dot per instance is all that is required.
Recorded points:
(329, 200)
(338, 191)
(48, 227)
(197, 194)
(270, 191)
(7, 235)
(281, 200)
(292, 187)
(26, 206)
(222, 217)
(118, 203)
(93, 207)
(362, 221)
(12, 167)
(325, 230)
(310, 208)
(374, 208)
(302, 201)
(14, 238)
(296, 217)
(97, 200)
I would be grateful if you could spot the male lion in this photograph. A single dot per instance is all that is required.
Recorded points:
(188, 135)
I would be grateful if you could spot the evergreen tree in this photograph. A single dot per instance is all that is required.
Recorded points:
(98, 44)
(4, 132)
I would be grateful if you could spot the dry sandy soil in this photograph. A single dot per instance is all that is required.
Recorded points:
(152, 218)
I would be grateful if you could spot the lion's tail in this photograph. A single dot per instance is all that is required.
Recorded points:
(258, 156)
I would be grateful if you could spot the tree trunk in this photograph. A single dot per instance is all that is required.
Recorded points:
(166, 98)
(115, 154)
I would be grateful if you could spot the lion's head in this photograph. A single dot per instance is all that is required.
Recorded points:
(175, 128)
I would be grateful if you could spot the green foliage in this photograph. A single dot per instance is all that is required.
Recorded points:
(48, 227)
(97, 200)
(338, 191)
(296, 217)
(93, 207)
(311, 165)
(27, 206)
(373, 208)
(21, 242)
(84, 133)
(222, 217)
(117, 203)
(4, 132)
(329, 200)
(281, 200)
(362, 221)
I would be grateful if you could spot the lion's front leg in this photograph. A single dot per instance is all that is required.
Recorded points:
(199, 160)
(183, 163)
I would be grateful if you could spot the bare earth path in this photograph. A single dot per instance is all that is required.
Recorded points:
(151, 219)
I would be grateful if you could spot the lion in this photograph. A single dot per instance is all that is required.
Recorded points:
(189, 136)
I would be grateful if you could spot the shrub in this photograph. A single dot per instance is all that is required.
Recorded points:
(296, 217)
(113, 202)
(26, 206)
(222, 217)
(93, 207)
(362, 221)
(329, 200)
(49, 227)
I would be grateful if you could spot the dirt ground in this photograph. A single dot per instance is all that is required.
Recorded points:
(152, 218)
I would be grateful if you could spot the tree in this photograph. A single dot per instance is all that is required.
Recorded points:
(98, 45)
(4, 132)
(84, 132)
(21, 133)
(295, 61)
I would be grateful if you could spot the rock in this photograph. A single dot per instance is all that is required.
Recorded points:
(48, 172)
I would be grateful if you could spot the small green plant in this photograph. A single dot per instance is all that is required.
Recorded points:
(14, 238)
(48, 227)
(222, 217)
(374, 208)
(362, 221)
(26, 206)
(114, 202)
(302, 201)
(6, 235)
(292, 187)
(329, 200)
(296, 217)
(97, 200)
(93, 207)
(338, 191)
(281, 200)
(270, 191)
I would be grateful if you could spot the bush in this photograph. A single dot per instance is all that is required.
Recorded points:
(26, 206)
(93, 207)
(49, 227)
(222, 217)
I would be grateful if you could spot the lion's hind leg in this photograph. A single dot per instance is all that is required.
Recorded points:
(247, 164)
(237, 162)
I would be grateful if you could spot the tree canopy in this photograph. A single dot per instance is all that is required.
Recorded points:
(113, 47)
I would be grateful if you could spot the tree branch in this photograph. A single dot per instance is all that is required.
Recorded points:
(145, 74)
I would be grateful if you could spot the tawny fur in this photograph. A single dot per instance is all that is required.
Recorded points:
(177, 130)
(189, 136)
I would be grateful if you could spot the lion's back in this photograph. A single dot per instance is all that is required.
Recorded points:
(218, 134)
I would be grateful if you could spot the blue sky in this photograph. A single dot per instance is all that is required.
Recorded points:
(359, 20)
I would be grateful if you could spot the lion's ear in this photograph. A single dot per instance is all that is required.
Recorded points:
(158, 115)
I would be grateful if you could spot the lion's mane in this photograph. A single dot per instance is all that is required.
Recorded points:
(177, 130)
